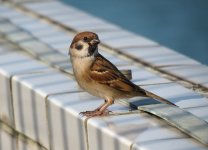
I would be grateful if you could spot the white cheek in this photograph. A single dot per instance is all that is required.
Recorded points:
(84, 50)
(81, 53)
(85, 46)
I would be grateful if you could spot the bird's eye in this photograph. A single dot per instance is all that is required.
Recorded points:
(78, 47)
(85, 39)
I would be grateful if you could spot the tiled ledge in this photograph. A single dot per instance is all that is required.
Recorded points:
(43, 103)
(123, 42)
(40, 91)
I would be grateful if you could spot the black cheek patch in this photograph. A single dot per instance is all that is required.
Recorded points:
(78, 47)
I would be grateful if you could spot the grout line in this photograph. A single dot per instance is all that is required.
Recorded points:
(32, 1)
(141, 46)
(176, 65)
(12, 101)
(67, 92)
(86, 133)
(10, 130)
(48, 122)
(155, 84)
(131, 146)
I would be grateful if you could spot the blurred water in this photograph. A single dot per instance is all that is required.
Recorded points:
(179, 24)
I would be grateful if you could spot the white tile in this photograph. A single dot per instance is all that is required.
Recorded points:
(33, 25)
(143, 77)
(62, 47)
(47, 54)
(197, 74)
(7, 141)
(169, 144)
(10, 140)
(115, 59)
(158, 56)
(25, 144)
(7, 47)
(108, 35)
(45, 31)
(36, 47)
(194, 102)
(23, 20)
(181, 119)
(11, 64)
(140, 130)
(2, 8)
(42, 5)
(19, 36)
(80, 20)
(175, 93)
(129, 41)
(29, 99)
(55, 58)
(53, 10)
(9, 13)
(57, 38)
(169, 92)
(99, 26)
(7, 27)
(67, 18)
(66, 125)
(200, 111)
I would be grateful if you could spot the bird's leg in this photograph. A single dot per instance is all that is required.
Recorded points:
(100, 111)
(97, 109)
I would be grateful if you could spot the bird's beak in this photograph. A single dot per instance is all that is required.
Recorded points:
(95, 42)
(93, 46)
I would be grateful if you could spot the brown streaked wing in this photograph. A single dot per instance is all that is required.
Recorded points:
(106, 73)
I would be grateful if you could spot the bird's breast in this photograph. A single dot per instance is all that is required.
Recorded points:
(81, 69)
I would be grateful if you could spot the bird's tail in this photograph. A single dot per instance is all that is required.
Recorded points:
(156, 97)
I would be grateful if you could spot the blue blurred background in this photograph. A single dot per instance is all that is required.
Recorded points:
(178, 24)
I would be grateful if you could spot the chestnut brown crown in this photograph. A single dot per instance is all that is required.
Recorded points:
(85, 36)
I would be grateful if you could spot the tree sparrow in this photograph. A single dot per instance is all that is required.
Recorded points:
(98, 76)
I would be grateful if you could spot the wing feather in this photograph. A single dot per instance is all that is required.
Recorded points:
(104, 72)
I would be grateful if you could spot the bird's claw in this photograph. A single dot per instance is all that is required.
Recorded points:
(94, 113)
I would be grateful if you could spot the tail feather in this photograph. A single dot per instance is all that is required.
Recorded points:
(156, 97)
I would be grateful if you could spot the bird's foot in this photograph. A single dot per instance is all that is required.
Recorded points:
(94, 113)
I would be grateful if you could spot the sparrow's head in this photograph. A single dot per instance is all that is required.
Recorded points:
(84, 44)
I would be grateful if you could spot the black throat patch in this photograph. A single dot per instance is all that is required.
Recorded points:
(92, 49)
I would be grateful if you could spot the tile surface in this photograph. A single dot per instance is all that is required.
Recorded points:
(10, 65)
(67, 127)
(135, 130)
(159, 56)
(195, 73)
(7, 141)
(29, 98)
